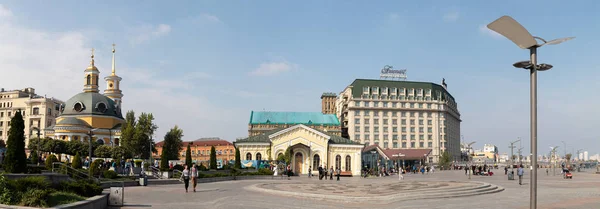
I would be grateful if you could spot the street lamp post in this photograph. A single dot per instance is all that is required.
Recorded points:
(90, 141)
(512, 159)
(511, 29)
(553, 156)
(469, 149)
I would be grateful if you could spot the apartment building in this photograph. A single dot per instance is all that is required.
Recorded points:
(39, 112)
(401, 115)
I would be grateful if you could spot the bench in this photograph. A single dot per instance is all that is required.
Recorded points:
(346, 174)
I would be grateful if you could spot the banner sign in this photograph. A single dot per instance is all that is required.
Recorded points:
(389, 72)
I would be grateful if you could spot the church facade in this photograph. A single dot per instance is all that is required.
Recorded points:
(309, 148)
(89, 114)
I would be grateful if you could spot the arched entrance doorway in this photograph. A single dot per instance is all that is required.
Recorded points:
(298, 159)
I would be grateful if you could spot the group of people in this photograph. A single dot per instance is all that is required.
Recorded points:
(190, 174)
(323, 172)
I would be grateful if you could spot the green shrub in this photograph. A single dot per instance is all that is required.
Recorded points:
(178, 167)
(35, 169)
(35, 198)
(94, 168)
(34, 157)
(82, 187)
(7, 196)
(28, 183)
(61, 198)
(110, 174)
(77, 164)
(202, 167)
(265, 171)
(50, 160)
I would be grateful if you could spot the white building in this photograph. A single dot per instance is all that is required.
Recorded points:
(401, 115)
(585, 156)
(39, 112)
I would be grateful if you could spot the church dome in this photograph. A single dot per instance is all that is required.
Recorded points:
(91, 103)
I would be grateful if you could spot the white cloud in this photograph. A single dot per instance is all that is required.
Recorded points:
(5, 12)
(210, 17)
(486, 31)
(273, 68)
(53, 64)
(451, 16)
(149, 32)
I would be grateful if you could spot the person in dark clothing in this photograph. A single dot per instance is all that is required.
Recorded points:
(320, 173)
(505, 170)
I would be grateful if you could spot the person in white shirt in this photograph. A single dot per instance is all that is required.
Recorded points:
(400, 176)
(186, 177)
(194, 175)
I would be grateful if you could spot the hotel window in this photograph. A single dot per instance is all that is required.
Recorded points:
(393, 90)
(412, 137)
(385, 129)
(421, 137)
(429, 122)
(375, 121)
(376, 129)
(357, 112)
(421, 129)
(428, 115)
(412, 144)
(248, 156)
(366, 137)
(385, 145)
(411, 91)
(428, 91)
(428, 106)
(357, 104)
(412, 129)
(412, 105)
(376, 137)
(404, 129)
(393, 104)
(375, 104)
(366, 104)
(393, 114)
(403, 114)
(401, 90)
(395, 129)
(366, 121)
(385, 122)
(385, 104)
(395, 137)
(395, 121)
(403, 144)
(375, 90)
(367, 128)
(412, 114)
(412, 122)
(429, 144)
(395, 144)
(357, 128)
(429, 137)
(367, 113)
(193, 152)
(403, 137)
(403, 121)
(376, 113)
(366, 90)
(357, 137)
(420, 91)
(385, 137)
(420, 122)
(420, 106)
(421, 144)
(429, 130)
(356, 121)
(377, 143)
(384, 90)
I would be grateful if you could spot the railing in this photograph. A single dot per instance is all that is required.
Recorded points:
(178, 174)
(58, 167)
(156, 172)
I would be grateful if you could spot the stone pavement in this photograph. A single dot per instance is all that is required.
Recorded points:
(583, 191)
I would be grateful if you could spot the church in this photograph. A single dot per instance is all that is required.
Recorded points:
(89, 114)
(310, 147)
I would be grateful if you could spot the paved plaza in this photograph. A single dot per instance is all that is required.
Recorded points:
(446, 189)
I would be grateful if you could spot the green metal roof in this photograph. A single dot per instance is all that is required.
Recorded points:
(264, 138)
(306, 118)
(358, 84)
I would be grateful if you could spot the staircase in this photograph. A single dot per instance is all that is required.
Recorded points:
(58, 167)
(156, 172)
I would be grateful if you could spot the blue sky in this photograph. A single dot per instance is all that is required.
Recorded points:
(204, 65)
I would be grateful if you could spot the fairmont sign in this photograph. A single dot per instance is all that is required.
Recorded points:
(389, 72)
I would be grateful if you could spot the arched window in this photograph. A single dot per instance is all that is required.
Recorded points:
(348, 163)
(100, 141)
(258, 156)
(248, 156)
(316, 162)
(96, 81)
(338, 162)
(89, 79)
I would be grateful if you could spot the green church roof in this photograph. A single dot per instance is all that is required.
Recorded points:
(306, 118)
(264, 138)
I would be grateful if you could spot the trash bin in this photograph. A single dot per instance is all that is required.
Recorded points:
(116, 196)
(511, 176)
(143, 181)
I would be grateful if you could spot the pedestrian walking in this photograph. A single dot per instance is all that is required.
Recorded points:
(194, 174)
(320, 172)
(520, 172)
(505, 170)
(338, 171)
(330, 173)
(400, 176)
(186, 177)
(289, 171)
(309, 171)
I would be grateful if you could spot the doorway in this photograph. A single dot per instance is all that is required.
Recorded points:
(298, 159)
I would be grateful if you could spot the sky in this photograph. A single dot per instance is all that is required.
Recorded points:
(204, 65)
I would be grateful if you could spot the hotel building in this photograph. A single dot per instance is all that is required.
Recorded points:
(401, 115)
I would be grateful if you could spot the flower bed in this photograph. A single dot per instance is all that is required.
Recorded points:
(37, 191)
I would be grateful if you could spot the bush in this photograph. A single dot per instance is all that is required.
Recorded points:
(265, 171)
(110, 174)
(35, 169)
(32, 182)
(34, 157)
(77, 164)
(50, 160)
(202, 167)
(35, 198)
(82, 187)
(61, 198)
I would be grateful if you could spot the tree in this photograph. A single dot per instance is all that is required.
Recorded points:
(2, 144)
(34, 157)
(287, 156)
(213, 158)
(238, 162)
(120, 153)
(103, 151)
(50, 161)
(136, 136)
(445, 159)
(172, 143)
(15, 160)
(188, 156)
(76, 161)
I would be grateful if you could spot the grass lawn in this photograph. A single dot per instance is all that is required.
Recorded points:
(61, 198)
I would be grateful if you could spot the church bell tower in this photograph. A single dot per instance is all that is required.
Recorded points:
(91, 77)
(113, 82)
